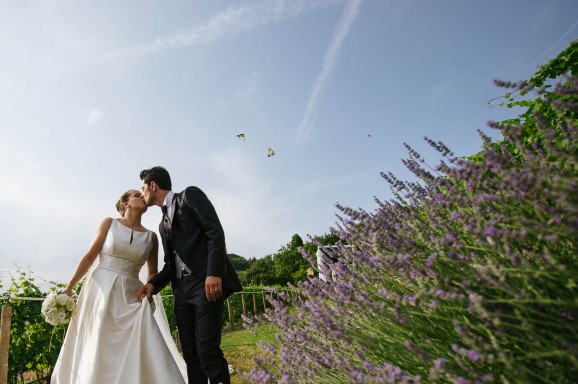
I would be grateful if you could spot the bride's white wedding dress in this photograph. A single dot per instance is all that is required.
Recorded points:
(115, 338)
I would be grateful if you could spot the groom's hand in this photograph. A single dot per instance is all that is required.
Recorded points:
(213, 288)
(146, 290)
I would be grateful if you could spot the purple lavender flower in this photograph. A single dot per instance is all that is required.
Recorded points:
(478, 255)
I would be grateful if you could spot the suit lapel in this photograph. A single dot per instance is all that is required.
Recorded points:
(174, 208)
(164, 232)
(162, 228)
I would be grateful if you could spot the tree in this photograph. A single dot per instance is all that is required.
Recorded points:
(285, 266)
(566, 63)
(239, 262)
(262, 272)
(290, 266)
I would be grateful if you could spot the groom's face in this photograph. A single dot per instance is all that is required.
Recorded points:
(148, 193)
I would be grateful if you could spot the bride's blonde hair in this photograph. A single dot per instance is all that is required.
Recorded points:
(123, 199)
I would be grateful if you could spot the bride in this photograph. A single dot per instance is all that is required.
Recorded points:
(115, 338)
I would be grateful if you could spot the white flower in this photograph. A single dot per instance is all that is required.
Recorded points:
(62, 299)
(61, 316)
(58, 309)
(70, 305)
(50, 302)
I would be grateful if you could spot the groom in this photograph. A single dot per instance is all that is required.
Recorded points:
(197, 266)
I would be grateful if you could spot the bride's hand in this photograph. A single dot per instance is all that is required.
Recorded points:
(68, 291)
(146, 290)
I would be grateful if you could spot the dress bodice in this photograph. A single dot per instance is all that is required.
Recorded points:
(121, 254)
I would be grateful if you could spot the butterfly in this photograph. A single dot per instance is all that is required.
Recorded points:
(270, 152)
(241, 136)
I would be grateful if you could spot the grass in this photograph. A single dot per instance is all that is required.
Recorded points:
(240, 348)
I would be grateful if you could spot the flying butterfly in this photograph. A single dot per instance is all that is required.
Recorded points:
(270, 152)
(241, 136)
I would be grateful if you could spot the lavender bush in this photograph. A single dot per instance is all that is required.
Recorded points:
(467, 276)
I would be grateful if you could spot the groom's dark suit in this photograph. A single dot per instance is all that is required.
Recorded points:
(197, 237)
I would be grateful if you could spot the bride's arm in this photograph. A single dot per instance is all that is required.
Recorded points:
(153, 259)
(90, 256)
(152, 265)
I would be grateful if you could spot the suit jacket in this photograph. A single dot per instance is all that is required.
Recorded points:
(199, 240)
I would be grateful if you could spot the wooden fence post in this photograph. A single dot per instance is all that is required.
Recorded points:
(5, 342)
(254, 304)
(230, 312)
(264, 306)
(244, 306)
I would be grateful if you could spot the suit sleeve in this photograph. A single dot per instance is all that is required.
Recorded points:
(204, 211)
(162, 279)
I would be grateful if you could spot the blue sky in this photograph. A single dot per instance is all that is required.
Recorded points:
(92, 92)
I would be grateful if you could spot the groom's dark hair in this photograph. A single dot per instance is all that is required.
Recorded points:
(159, 175)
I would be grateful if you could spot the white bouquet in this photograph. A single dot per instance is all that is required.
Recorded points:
(58, 308)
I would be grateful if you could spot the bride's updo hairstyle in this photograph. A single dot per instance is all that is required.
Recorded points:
(123, 199)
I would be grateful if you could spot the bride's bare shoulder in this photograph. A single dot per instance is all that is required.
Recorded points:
(106, 222)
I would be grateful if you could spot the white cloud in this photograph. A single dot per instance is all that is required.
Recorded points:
(227, 24)
(441, 88)
(247, 205)
(259, 210)
(553, 47)
(55, 205)
(94, 116)
(53, 229)
(250, 86)
(329, 61)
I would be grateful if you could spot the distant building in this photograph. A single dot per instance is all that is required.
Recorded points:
(325, 258)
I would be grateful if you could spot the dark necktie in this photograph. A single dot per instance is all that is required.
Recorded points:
(166, 221)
